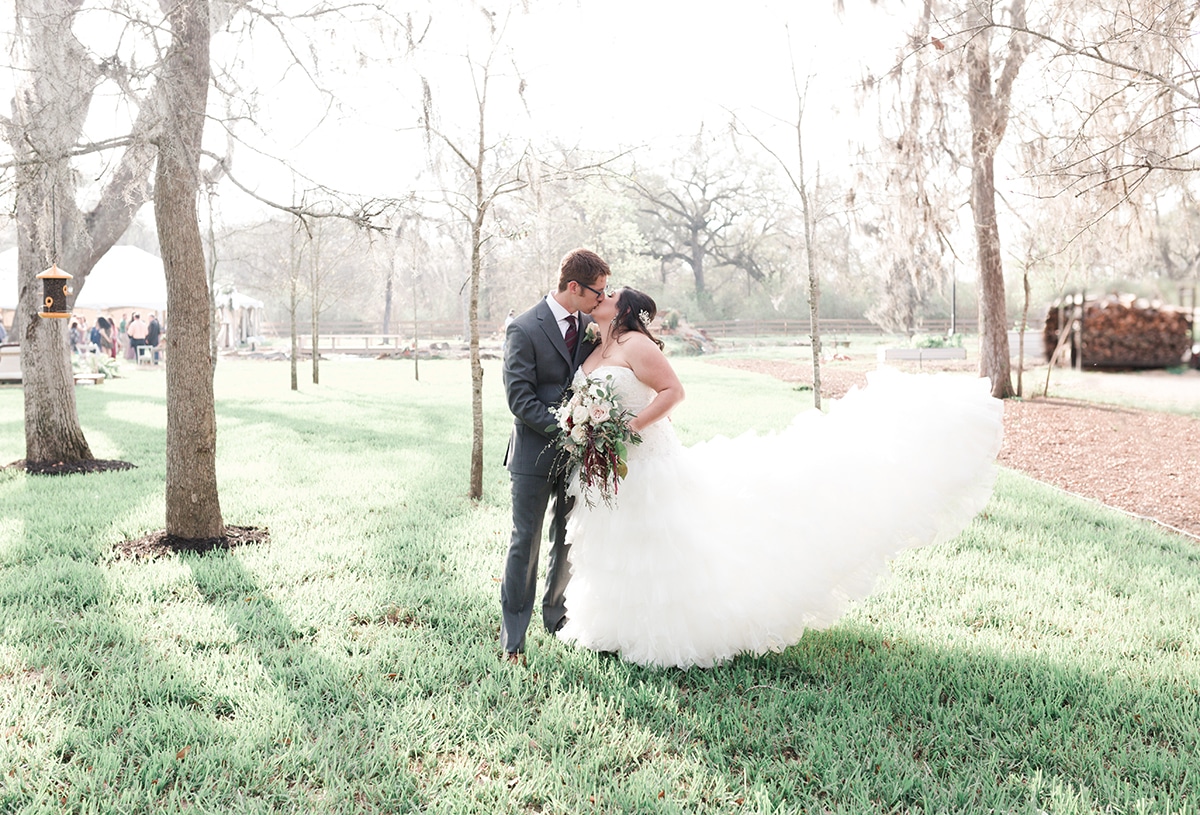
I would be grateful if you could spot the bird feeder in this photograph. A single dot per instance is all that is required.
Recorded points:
(55, 290)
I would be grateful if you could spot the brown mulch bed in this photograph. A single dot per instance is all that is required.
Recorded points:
(95, 465)
(1142, 462)
(158, 544)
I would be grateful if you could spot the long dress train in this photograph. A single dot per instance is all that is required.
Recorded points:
(739, 545)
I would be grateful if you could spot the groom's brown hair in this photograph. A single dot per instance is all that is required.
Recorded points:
(582, 266)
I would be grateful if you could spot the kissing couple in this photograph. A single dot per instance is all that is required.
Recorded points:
(728, 546)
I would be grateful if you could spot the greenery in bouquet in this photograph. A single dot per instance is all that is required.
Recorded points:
(594, 436)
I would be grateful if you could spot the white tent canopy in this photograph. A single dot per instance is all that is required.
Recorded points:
(234, 299)
(126, 277)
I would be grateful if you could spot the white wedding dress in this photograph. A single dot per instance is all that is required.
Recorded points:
(739, 545)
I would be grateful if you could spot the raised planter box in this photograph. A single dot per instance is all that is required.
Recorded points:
(10, 363)
(1035, 349)
(920, 354)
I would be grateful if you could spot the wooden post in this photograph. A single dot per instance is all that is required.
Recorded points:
(1082, 327)
(1079, 328)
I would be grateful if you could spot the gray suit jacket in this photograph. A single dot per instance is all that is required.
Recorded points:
(537, 371)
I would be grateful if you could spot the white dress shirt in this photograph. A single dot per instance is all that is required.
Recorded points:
(561, 314)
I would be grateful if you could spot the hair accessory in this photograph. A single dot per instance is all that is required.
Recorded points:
(644, 316)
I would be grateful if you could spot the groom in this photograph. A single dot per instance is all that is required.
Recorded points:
(543, 347)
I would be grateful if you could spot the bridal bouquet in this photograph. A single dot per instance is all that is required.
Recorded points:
(594, 436)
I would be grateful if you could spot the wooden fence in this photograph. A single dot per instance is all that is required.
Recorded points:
(718, 329)
(339, 335)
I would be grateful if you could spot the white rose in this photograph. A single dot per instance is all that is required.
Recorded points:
(578, 433)
(580, 414)
(599, 413)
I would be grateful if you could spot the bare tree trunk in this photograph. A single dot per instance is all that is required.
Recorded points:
(475, 212)
(476, 488)
(697, 263)
(1021, 336)
(193, 508)
(392, 256)
(295, 332)
(293, 307)
(482, 202)
(52, 429)
(993, 315)
(814, 280)
(211, 276)
(416, 342)
(314, 310)
(49, 111)
(989, 118)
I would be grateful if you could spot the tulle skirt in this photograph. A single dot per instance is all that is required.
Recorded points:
(739, 545)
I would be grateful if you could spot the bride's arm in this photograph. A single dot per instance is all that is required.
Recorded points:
(650, 365)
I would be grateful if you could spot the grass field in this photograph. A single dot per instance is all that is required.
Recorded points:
(1048, 660)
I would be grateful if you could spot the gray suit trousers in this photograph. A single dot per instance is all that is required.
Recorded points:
(530, 496)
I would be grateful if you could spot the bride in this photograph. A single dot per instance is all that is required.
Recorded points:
(739, 545)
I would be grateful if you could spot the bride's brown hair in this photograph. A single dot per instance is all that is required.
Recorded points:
(635, 311)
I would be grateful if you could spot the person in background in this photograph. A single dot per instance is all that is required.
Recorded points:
(114, 340)
(123, 334)
(153, 331)
(137, 333)
(76, 336)
(512, 315)
(102, 335)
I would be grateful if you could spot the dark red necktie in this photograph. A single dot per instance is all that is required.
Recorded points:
(572, 336)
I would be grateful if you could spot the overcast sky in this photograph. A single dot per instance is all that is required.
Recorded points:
(606, 75)
(603, 74)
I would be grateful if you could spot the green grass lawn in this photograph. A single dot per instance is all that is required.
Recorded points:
(1046, 660)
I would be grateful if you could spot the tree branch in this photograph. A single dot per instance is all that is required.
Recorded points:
(1092, 52)
(363, 213)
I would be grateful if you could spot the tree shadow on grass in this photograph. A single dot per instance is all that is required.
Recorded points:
(391, 423)
(1066, 682)
(338, 736)
(852, 720)
(137, 714)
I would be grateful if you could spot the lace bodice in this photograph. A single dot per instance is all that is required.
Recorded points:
(632, 392)
(633, 395)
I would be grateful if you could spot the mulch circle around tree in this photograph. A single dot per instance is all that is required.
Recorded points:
(159, 544)
(94, 465)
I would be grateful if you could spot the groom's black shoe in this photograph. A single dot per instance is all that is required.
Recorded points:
(559, 625)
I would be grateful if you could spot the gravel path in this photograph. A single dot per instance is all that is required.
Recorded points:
(1143, 462)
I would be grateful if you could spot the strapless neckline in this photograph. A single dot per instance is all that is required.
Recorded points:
(610, 367)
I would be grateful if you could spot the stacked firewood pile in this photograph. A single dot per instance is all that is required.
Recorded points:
(1120, 331)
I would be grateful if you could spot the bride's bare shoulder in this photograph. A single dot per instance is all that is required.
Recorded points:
(639, 344)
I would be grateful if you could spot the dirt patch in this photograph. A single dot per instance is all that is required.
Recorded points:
(1143, 462)
(158, 544)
